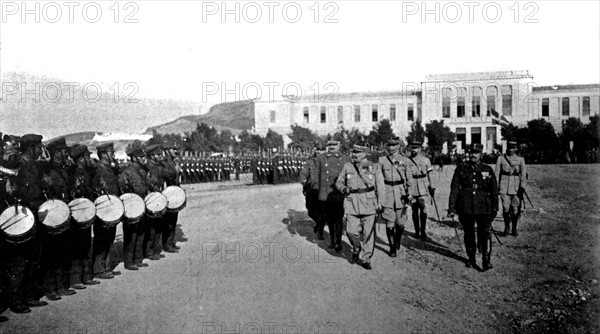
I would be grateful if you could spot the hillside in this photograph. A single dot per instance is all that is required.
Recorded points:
(234, 116)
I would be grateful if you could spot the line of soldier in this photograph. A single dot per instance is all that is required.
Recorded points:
(277, 169)
(199, 170)
(56, 265)
(346, 193)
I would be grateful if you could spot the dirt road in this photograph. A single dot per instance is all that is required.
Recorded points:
(249, 263)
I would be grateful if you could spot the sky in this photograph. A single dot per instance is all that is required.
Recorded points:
(187, 50)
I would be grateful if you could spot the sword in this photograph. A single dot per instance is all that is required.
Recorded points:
(457, 237)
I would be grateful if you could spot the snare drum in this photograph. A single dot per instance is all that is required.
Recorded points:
(55, 216)
(83, 212)
(134, 207)
(17, 224)
(156, 204)
(176, 198)
(109, 209)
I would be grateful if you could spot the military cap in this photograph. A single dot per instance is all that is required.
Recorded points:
(136, 152)
(416, 143)
(319, 146)
(360, 147)
(10, 138)
(333, 143)
(78, 150)
(57, 144)
(394, 141)
(475, 148)
(29, 140)
(105, 147)
(153, 149)
(512, 144)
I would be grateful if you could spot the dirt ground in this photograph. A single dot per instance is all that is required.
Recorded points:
(249, 263)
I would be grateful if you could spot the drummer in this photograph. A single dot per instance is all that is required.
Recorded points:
(104, 182)
(172, 179)
(134, 179)
(81, 273)
(153, 238)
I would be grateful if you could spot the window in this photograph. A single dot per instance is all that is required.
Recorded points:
(491, 134)
(374, 112)
(323, 114)
(460, 107)
(306, 113)
(461, 136)
(392, 112)
(565, 106)
(272, 116)
(410, 112)
(476, 106)
(585, 106)
(491, 93)
(340, 114)
(446, 107)
(545, 107)
(507, 100)
(475, 135)
(356, 114)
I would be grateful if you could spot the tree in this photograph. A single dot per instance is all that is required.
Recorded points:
(304, 138)
(381, 133)
(272, 140)
(347, 138)
(417, 133)
(438, 134)
(543, 141)
(136, 144)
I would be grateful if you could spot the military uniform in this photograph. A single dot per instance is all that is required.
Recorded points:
(171, 177)
(511, 176)
(329, 166)
(154, 226)
(362, 183)
(473, 195)
(419, 189)
(308, 178)
(105, 182)
(394, 169)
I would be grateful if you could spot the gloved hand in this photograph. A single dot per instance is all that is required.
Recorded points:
(346, 191)
(431, 191)
(451, 213)
(521, 192)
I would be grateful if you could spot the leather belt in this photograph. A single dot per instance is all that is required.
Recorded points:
(360, 191)
(418, 176)
(393, 183)
(509, 173)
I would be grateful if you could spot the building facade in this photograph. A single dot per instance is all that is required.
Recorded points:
(473, 105)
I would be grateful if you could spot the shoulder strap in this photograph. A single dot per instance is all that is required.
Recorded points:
(398, 170)
(511, 166)
(359, 175)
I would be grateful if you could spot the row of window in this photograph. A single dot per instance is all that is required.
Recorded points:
(476, 106)
(393, 116)
(565, 106)
(490, 134)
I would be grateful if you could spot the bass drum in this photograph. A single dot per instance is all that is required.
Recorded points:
(109, 210)
(156, 204)
(55, 216)
(135, 208)
(83, 212)
(17, 224)
(176, 198)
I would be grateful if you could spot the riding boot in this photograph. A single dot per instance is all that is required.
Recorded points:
(506, 216)
(391, 241)
(486, 253)
(423, 217)
(515, 219)
(398, 237)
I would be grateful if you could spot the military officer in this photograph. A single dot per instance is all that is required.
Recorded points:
(308, 178)
(81, 272)
(155, 226)
(331, 200)
(511, 175)
(105, 181)
(361, 181)
(171, 178)
(473, 196)
(393, 167)
(419, 188)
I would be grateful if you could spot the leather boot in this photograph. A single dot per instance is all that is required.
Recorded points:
(423, 226)
(391, 241)
(515, 219)
(486, 253)
(398, 237)
(506, 216)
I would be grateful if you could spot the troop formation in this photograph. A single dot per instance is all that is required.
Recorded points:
(60, 211)
(276, 169)
(348, 193)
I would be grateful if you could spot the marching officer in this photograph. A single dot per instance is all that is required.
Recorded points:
(393, 167)
(473, 196)
(134, 180)
(331, 200)
(511, 176)
(419, 188)
(171, 178)
(361, 181)
(81, 273)
(308, 178)
(105, 182)
(154, 226)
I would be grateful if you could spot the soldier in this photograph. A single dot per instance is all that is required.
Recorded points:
(473, 196)
(81, 272)
(419, 188)
(155, 226)
(393, 167)
(308, 178)
(329, 166)
(134, 180)
(511, 176)
(172, 179)
(361, 181)
(105, 181)
(23, 260)
(56, 255)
